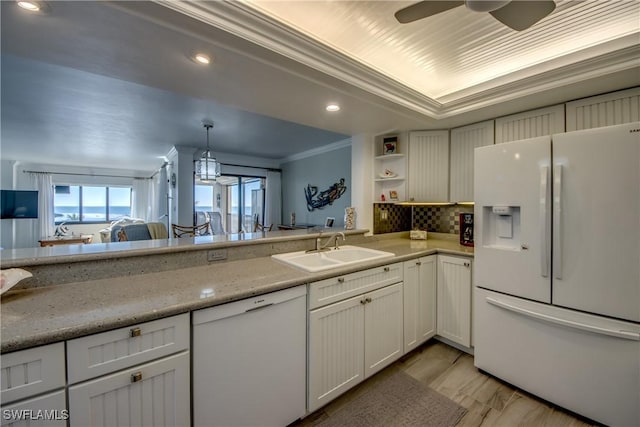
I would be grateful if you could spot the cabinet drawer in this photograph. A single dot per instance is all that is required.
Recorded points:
(338, 288)
(33, 371)
(99, 354)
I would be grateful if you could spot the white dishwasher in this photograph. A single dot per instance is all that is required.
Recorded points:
(249, 361)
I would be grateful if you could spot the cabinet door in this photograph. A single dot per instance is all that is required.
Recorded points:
(159, 397)
(428, 166)
(454, 299)
(383, 336)
(530, 124)
(53, 408)
(604, 110)
(336, 350)
(464, 141)
(419, 301)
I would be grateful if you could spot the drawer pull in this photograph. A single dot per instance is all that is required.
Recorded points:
(136, 377)
(467, 264)
(135, 332)
(363, 302)
(340, 279)
(386, 269)
(418, 263)
(367, 300)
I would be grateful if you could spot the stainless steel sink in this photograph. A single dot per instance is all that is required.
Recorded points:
(334, 258)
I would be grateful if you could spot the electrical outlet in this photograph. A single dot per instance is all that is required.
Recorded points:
(384, 214)
(217, 255)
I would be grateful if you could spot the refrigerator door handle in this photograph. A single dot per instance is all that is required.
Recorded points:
(557, 221)
(544, 222)
(629, 335)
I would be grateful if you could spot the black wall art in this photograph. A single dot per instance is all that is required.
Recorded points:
(317, 200)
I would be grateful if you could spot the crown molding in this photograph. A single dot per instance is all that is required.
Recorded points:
(316, 151)
(242, 20)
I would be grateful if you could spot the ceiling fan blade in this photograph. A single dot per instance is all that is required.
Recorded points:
(424, 9)
(520, 15)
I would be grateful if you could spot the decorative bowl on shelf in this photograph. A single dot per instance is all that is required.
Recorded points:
(387, 174)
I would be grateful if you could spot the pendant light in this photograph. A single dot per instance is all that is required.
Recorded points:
(207, 168)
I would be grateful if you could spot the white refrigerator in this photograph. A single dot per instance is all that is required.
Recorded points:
(557, 269)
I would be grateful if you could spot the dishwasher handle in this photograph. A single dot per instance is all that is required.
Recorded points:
(235, 308)
(258, 308)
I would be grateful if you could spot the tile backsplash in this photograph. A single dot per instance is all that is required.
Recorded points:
(390, 218)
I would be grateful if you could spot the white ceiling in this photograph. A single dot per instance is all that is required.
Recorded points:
(112, 84)
(453, 53)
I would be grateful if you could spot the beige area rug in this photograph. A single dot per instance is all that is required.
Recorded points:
(398, 400)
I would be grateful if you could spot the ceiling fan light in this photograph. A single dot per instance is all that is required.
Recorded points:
(485, 5)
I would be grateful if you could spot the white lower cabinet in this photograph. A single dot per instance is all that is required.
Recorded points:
(153, 394)
(131, 376)
(454, 299)
(420, 277)
(47, 410)
(352, 339)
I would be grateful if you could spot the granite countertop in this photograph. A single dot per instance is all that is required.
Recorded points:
(38, 316)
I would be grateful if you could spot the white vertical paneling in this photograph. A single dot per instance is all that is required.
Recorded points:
(530, 124)
(604, 110)
(463, 141)
(419, 301)
(411, 304)
(428, 166)
(383, 328)
(336, 350)
(161, 398)
(454, 299)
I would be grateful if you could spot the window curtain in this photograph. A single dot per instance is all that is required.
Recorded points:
(161, 201)
(141, 204)
(273, 196)
(30, 231)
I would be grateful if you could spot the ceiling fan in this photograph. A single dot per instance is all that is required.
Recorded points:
(516, 14)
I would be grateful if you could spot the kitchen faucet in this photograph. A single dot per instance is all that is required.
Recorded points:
(319, 247)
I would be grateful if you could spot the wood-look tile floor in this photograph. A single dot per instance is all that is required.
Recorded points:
(449, 371)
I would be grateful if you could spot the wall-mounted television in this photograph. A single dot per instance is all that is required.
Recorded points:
(18, 204)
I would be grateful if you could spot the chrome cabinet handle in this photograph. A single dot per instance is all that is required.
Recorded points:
(367, 299)
(136, 377)
(386, 269)
(135, 332)
(418, 263)
(363, 302)
(340, 279)
(467, 264)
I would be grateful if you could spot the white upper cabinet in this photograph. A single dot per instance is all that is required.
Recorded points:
(530, 124)
(428, 164)
(604, 110)
(464, 140)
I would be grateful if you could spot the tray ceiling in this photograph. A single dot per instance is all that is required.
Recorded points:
(446, 64)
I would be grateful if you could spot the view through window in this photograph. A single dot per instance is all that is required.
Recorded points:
(86, 204)
(238, 198)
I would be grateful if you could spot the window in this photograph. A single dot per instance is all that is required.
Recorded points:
(90, 203)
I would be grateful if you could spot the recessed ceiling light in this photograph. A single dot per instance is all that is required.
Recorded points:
(29, 5)
(333, 107)
(201, 58)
